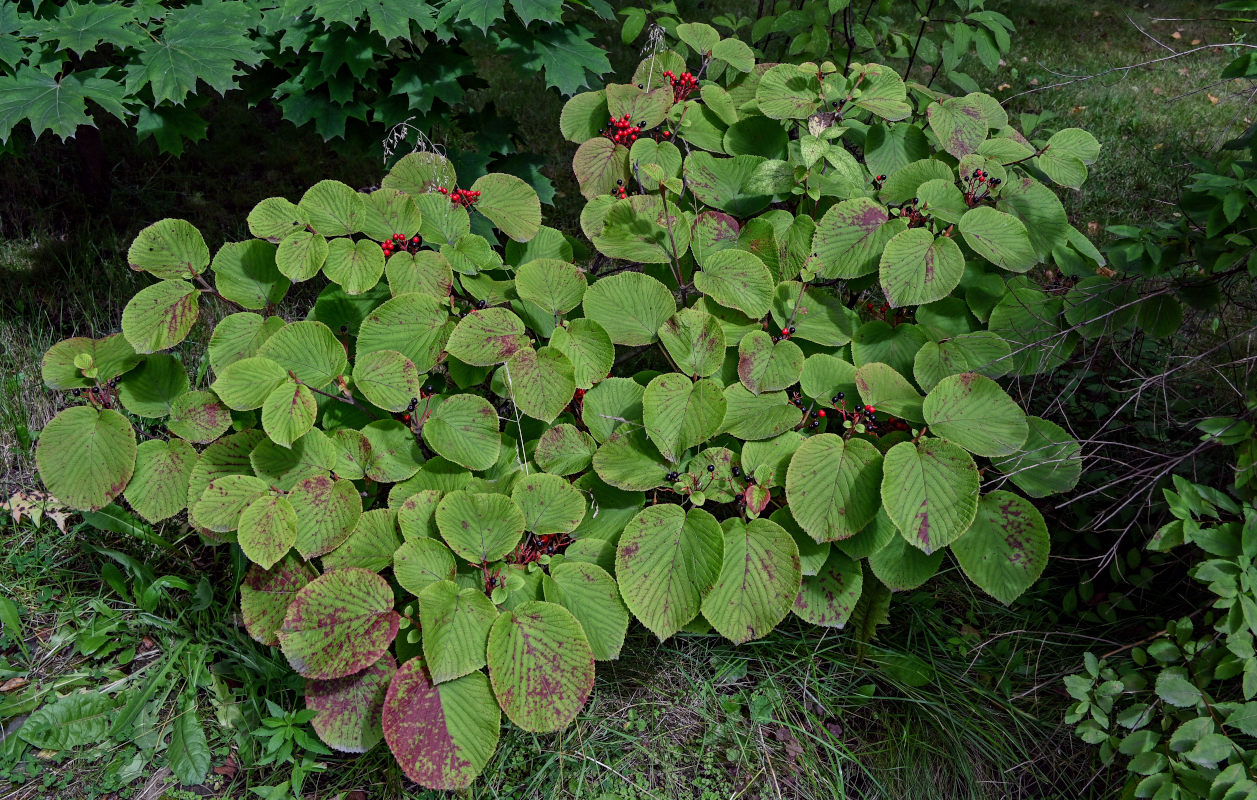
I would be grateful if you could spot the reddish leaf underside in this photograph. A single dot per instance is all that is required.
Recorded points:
(441, 736)
(348, 709)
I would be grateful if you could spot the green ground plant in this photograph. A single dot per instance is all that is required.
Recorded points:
(518, 533)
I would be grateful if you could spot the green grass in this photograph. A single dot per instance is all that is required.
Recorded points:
(957, 698)
(1148, 120)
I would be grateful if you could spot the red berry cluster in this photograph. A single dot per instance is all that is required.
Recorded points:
(620, 192)
(399, 243)
(578, 400)
(461, 197)
(622, 131)
(683, 85)
(978, 186)
(883, 312)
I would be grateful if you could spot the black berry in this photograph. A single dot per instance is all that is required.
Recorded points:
(737, 472)
(711, 467)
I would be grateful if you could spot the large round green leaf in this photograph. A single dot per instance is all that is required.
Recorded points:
(666, 563)
(510, 204)
(630, 306)
(737, 279)
(880, 91)
(442, 736)
(833, 485)
(487, 336)
(455, 624)
(419, 563)
(758, 582)
(300, 257)
(388, 379)
(347, 710)
(540, 382)
(1049, 462)
(268, 529)
(850, 238)
(339, 623)
(930, 491)
(887, 390)
(390, 211)
(333, 208)
(327, 511)
(464, 429)
(919, 268)
(901, 566)
(158, 317)
(751, 417)
(150, 389)
(86, 457)
(225, 498)
(599, 165)
(356, 266)
(727, 183)
(641, 228)
(1030, 321)
(412, 324)
(288, 412)
(768, 366)
(227, 456)
(370, 545)
(788, 91)
(695, 341)
(276, 218)
(817, 315)
(999, 238)
(608, 405)
(245, 384)
(159, 488)
(959, 124)
(549, 503)
(828, 597)
(975, 413)
(246, 274)
(565, 449)
(629, 460)
(107, 358)
(309, 350)
(584, 116)
(170, 249)
(825, 376)
(896, 346)
(680, 413)
(541, 666)
(589, 348)
(395, 452)
(266, 594)
(979, 351)
(239, 336)
(556, 286)
(427, 272)
(480, 527)
(593, 597)
(1006, 549)
(310, 456)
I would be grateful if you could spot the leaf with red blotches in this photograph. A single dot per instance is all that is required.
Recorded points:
(541, 666)
(340, 623)
(442, 736)
(347, 710)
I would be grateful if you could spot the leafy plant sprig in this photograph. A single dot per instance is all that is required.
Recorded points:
(469, 465)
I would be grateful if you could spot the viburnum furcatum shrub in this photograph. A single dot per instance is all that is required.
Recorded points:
(466, 466)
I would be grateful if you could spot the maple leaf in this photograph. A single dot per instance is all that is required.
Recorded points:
(58, 105)
(203, 42)
(566, 54)
(81, 27)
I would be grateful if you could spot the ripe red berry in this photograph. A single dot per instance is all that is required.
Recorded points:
(820, 413)
(785, 333)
